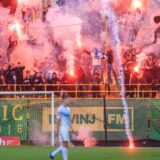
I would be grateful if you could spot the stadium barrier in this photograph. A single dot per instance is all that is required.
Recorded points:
(139, 91)
(29, 118)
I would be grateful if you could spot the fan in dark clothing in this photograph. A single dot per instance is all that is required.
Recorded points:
(81, 78)
(38, 81)
(53, 81)
(96, 86)
(27, 81)
(19, 75)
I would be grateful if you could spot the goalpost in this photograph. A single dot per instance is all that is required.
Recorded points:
(22, 116)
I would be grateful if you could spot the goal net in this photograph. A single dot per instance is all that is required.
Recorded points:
(28, 115)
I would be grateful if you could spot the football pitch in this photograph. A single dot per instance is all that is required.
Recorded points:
(80, 153)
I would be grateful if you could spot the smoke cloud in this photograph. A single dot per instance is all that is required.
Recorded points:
(112, 21)
(29, 3)
(86, 136)
(38, 137)
(56, 38)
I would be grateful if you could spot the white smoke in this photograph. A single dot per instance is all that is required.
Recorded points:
(4, 16)
(65, 29)
(38, 137)
(86, 136)
(113, 23)
(62, 25)
(29, 3)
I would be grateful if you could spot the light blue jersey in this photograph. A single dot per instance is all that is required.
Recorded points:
(63, 114)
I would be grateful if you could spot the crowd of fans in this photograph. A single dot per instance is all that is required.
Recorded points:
(142, 77)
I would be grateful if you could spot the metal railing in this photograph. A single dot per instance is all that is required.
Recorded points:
(90, 90)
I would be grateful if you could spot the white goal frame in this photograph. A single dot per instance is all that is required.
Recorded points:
(36, 93)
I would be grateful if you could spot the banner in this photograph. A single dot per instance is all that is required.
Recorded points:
(155, 120)
(116, 123)
(93, 118)
(13, 121)
(9, 141)
(83, 116)
(26, 118)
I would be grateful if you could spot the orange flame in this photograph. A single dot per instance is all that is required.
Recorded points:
(72, 73)
(19, 1)
(131, 146)
(136, 69)
(18, 28)
(79, 42)
(137, 4)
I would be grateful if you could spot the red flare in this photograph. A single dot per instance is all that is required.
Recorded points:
(131, 146)
(72, 73)
(19, 1)
(79, 43)
(137, 4)
(136, 69)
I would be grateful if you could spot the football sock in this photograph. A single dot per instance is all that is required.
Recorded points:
(65, 153)
(54, 153)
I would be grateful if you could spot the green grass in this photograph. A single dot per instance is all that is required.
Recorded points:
(80, 153)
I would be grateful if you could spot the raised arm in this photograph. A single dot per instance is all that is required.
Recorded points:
(86, 51)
